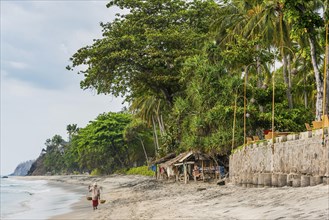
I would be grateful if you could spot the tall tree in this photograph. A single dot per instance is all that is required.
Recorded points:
(142, 51)
(138, 134)
(54, 160)
(100, 145)
(306, 20)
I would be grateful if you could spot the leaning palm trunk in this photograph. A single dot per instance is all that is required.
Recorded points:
(156, 141)
(146, 157)
(161, 125)
(318, 81)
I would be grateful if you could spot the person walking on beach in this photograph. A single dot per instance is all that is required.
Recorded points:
(95, 195)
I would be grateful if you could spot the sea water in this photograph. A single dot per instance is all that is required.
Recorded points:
(34, 199)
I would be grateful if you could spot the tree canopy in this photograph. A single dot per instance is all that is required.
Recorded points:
(143, 51)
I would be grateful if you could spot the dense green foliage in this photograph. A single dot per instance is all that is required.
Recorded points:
(195, 73)
(54, 159)
(101, 147)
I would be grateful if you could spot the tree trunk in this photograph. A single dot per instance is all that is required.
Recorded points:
(259, 78)
(156, 141)
(147, 160)
(304, 92)
(161, 125)
(128, 156)
(286, 80)
(318, 80)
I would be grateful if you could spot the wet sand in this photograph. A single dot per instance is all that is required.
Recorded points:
(139, 197)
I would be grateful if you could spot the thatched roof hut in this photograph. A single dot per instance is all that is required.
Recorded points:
(165, 158)
(184, 161)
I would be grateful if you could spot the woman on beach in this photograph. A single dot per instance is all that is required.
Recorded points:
(95, 194)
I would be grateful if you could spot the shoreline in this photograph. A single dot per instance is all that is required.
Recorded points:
(139, 197)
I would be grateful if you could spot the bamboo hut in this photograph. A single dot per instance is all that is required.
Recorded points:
(189, 165)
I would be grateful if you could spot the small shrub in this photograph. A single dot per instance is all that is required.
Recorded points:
(143, 170)
(96, 172)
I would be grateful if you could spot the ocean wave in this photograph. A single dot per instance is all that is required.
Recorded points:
(21, 199)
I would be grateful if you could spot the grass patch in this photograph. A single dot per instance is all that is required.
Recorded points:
(143, 170)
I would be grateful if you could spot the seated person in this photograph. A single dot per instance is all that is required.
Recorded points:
(196, 172)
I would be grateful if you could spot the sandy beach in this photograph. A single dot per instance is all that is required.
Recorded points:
(139, 197)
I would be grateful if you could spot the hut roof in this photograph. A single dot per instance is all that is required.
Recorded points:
(201, 156)
(164, 159)
(184, 156)
(175, 160)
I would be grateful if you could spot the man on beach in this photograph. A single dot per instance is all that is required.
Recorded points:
(95, 195)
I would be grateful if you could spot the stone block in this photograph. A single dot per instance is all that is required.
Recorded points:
(289, 180)
(315, 180)
(255, 179)
(280, 139)
(325, 180)
(319, 132)
(260, 180)
(239, 179)
(305, 135)
(296, 180)
(304, 181)
(275, 179)
(282, 180)
(267, 179)
(249, 178)
(261, 144)
(292, 137)
(243, 178)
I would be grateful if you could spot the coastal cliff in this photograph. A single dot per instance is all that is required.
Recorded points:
(38, 168)
(23, 168)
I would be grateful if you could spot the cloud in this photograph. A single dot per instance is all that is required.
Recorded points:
(39, 97)
(44, 34)
(30, 115)
(18, 65)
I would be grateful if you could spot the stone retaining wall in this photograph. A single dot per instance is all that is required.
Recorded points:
(294, 160)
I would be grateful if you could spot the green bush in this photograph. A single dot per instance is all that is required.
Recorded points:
(96, 172)
(143, 170)
(121, 171)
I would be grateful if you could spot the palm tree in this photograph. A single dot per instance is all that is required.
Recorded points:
(252, 18)
(306, 20)
(149, 108)
(72, 129)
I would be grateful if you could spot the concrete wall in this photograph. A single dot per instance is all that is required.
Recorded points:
(294, 160)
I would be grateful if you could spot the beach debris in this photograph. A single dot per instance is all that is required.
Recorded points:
(221, 182)
(200, 189)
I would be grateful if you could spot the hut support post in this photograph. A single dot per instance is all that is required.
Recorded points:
(156, 171)
(185, 173)
(202, 171)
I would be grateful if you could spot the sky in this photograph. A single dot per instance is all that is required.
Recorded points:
(39, 97)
